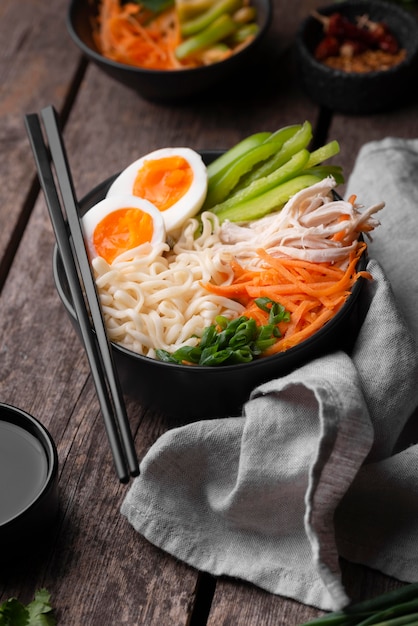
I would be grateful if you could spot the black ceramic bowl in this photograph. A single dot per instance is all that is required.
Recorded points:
(359, 93)
(162, 85)
(28, 480)
(192, 392)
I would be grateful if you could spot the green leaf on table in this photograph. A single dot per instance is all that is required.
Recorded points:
(40, 610)
(13, 613)
(36, 613)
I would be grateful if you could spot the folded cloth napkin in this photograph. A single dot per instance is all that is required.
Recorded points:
(310, 471)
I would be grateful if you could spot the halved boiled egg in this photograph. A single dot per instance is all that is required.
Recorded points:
(120, 224)
(173, 179)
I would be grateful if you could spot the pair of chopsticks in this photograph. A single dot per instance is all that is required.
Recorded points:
(71, 246)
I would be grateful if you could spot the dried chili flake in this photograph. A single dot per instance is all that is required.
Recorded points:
(360, 46)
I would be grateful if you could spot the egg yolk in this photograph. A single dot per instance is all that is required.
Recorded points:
(120, 231)
(163, 181)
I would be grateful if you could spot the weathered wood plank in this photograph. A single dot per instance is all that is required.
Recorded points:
(110, 570)
(37, 64)
(245, 604)
(354, 132)
(96, 564)
(98, 569)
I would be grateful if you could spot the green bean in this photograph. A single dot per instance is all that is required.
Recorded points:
(274, 199)
(201, 22)
(216, 31)
(294, 165)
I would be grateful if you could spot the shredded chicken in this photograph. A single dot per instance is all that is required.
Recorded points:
(312, 226)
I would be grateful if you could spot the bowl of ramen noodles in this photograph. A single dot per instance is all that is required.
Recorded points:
(28, 482)
(217, 272)
(358, 57)
(171, 51)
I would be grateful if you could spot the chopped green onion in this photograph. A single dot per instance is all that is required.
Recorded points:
(227, 342)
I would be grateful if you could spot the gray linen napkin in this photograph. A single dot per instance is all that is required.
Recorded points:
(308, 472)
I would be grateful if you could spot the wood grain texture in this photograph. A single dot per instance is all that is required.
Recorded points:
(38, 63)
(97, 568)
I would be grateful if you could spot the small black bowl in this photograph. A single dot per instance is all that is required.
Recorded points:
(160, 85)
(28, 480)
(359, 93)
(194, 392)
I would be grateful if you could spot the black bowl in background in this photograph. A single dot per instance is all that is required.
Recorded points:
(192, 392)
(28, 482)
(160, 85)
(359, 93)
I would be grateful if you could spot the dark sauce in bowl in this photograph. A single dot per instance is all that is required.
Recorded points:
(23, 470)
(28, 483)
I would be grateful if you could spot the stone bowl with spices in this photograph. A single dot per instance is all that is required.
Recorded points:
(359, 57)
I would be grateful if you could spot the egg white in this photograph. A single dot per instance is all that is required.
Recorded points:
(189, 204)
(106, 206)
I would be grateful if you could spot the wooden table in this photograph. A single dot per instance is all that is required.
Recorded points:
(97, 568)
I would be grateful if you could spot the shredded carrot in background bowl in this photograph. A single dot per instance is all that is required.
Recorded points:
(131, 34)
(124, 36)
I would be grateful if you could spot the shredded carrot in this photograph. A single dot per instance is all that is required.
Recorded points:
(127, 35)
(133, 35)
(312, 292)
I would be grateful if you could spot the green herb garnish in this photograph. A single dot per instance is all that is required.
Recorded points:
(36, 613)
(394, 608)
(228, 342)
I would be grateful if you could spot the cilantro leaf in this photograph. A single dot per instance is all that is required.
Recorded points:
(40, 610)
(13, 613)
(36, 613)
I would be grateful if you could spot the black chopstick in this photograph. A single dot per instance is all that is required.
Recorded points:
(75, 260)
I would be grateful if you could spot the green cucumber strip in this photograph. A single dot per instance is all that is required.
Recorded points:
(323, 153)
(200, 23)
(233, 174)
(222, 27)
(295, 142)
(244, 32)
(219, 165)
(188, 9)
(274, 199)
(247, 14)
(326, 170)
(289, 170)
(285, 133)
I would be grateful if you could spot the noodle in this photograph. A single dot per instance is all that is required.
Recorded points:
(156, 300)
(153, 297)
